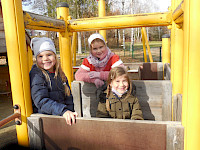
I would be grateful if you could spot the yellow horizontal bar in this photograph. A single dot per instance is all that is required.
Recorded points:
(177, 15)
(39, 22)
(120, 21)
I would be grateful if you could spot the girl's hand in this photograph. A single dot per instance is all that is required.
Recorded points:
(98, 83)
(70, 117)
(94, 74)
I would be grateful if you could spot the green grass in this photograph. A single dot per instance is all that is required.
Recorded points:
(140, 45)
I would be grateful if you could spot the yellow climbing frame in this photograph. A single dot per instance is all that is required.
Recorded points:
(184, 61)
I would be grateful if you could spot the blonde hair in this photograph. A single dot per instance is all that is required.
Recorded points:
(113, 74)
(58, 71)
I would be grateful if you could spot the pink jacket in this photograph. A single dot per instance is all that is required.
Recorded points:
(83, 72)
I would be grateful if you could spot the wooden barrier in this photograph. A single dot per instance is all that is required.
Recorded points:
(167, 72)
(177, 107)
(52, 133)
(154, 97)
(151, 71)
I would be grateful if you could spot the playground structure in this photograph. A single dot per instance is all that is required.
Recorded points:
(183, 60)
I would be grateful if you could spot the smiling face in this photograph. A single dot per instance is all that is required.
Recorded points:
(120, 84)
(46, 60)
(98, 49)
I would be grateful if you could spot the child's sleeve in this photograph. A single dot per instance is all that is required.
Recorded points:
(136, 111)
(101, 111)
(82, 74)
(40, 97)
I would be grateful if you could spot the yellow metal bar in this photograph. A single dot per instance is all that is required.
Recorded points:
(74, 47)
(185, 99)
(191, 103)
(166, 48)
(120, 21)
(177, 15)
(147, 43)
(144, 47)
(102, 13)
(64, 39)
(172, 51)
(176, 59)
(30, 58)
(18, 63)
(185, 70)
(39, 22)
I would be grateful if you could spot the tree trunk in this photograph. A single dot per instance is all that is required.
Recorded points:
(79, 43)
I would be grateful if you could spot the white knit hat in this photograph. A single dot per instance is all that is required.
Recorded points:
(39, 45)
(95, 36)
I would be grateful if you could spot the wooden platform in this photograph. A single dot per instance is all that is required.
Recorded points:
(52, 133)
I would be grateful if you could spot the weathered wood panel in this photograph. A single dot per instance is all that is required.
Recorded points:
(2, 34)
(133, 66)
(1, 27)
(76, 92)
(151, 71)
(167, 72)
(3, 42)
(177, 107)
(175, 137)
(108, 134)
(89, 99)
(35, 132)
(154, 97)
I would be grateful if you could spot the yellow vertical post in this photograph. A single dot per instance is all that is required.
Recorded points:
(191, 95)
(177, 57)
(147, 43)
(144, 47)
(74, 47)
(64, 41)
(166, 48)
(18, 63)
(186, 25)
(102, 13)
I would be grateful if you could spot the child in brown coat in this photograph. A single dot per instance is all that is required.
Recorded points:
(119, 103)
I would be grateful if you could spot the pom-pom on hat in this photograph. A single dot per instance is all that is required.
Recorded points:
(95, 36)
(39, 45)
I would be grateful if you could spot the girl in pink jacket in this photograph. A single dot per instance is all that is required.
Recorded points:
(95, 68)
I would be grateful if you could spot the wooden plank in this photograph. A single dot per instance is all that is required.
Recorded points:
(35, 132)
(160, 70)
(167, 72)
(3, 42)
(149, 71)
(98, 134)
(175, 137)
(89, 99)
(3, 50)
(179, 108)
(166, 100)
(1, 27)
(2, 34)
(154, 94)
(133, 66)
(76, 92)
(175, 106)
